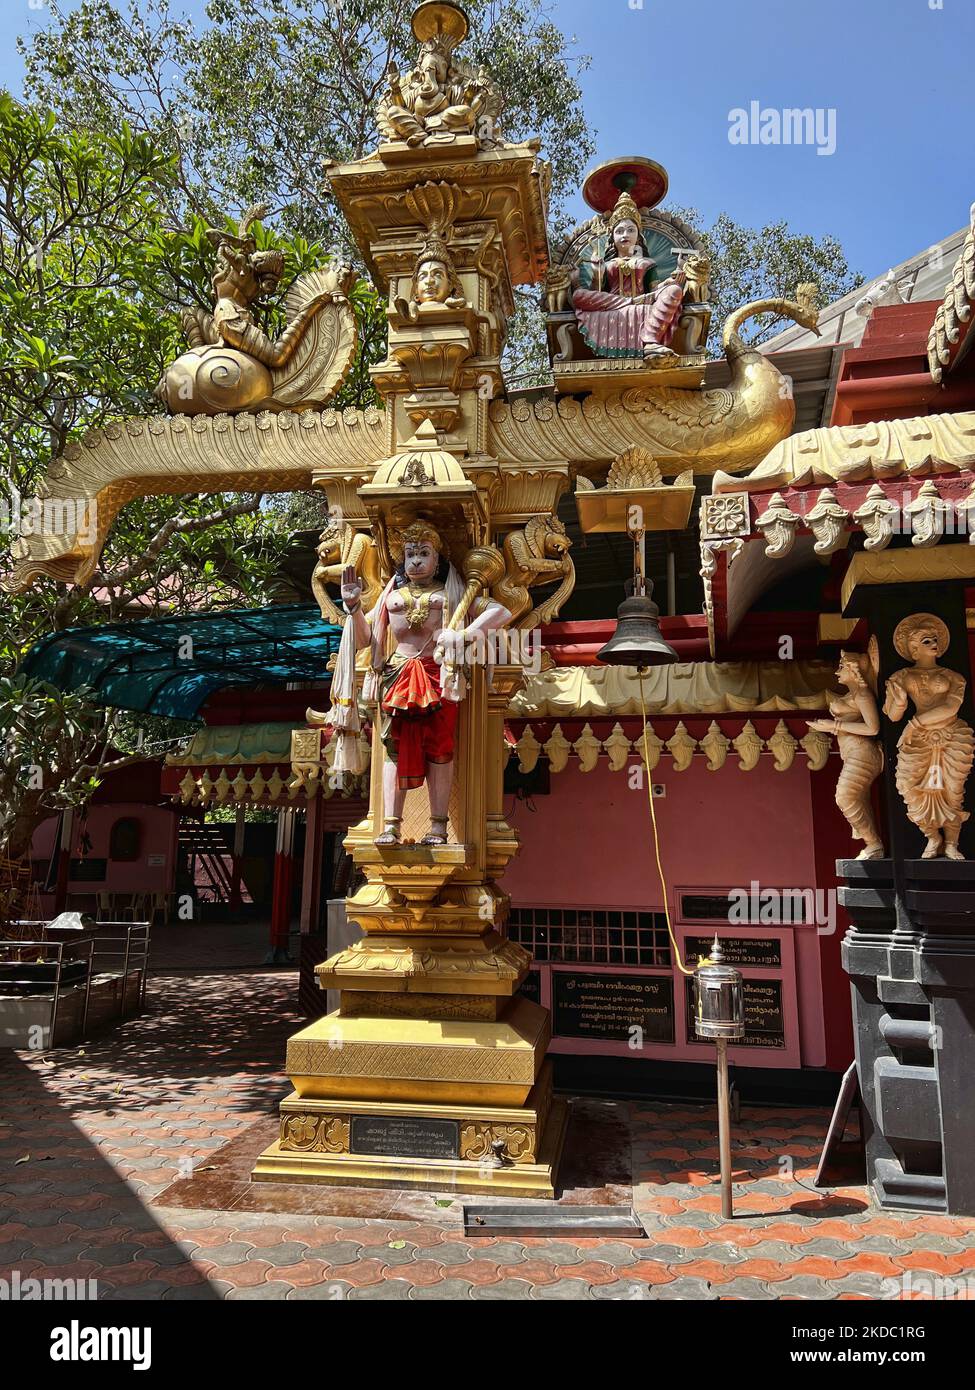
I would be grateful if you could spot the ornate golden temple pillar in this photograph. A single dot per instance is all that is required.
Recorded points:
(432, 1071)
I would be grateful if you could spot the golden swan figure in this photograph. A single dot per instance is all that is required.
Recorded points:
(729, 428)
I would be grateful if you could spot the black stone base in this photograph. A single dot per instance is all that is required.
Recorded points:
(910, 954)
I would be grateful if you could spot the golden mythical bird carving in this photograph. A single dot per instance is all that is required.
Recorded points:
(232, 364)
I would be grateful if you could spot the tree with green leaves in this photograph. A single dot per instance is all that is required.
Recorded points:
(253, 105)
(92, 277)
(750, 263)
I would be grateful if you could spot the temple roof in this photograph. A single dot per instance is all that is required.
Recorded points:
(169, 666)
(700, 687)
(924, 276)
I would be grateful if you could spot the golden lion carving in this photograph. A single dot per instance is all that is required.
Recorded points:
(534, 556)
(341, 545)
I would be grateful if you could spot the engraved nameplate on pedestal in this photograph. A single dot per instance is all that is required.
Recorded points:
(405, 1137)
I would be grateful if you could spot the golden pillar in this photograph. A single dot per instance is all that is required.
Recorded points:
(432, 1071)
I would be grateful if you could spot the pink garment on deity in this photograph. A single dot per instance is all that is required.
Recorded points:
(665, 313)
(620, 321)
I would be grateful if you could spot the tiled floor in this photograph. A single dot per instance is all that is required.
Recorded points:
(127, 1160)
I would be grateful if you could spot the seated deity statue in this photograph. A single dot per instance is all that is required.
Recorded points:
(438, 100)
(413, 687)
(622, 311)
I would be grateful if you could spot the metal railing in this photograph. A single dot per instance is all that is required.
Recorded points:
(131, 949)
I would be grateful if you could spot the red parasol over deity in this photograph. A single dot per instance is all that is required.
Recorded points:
(644, 179)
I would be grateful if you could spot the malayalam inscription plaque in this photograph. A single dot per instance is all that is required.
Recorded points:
(765, 951)
(608, 1007)
(402, 1136)
(764, 1018)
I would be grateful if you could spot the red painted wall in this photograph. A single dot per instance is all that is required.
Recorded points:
(589, 844)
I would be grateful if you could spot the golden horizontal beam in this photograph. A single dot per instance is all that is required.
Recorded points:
(938, 565)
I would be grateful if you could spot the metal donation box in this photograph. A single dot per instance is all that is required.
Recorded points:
(719, 1001)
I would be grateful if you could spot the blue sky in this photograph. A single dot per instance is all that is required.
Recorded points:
(666, 74)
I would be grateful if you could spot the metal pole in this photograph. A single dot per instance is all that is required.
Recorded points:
(59, 946)
(724, 1128)
(91, 971)
(671, 578)
(125, 970)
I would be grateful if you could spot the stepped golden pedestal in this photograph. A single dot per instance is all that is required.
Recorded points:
(431, 1073)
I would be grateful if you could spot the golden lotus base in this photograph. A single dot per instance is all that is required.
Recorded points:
(320, 1142)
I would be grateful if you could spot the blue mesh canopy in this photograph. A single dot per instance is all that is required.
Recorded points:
(169, 666)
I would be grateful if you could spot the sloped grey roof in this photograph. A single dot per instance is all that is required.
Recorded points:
(923, 277)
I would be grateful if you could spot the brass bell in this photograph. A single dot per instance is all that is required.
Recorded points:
(637, 640)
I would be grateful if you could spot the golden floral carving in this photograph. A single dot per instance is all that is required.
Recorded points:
(953, 318)
(715, 745)
(519, 1141)
(827, 521)
(778, 524)
(877, 516)
(749, 747)
(311, 1133)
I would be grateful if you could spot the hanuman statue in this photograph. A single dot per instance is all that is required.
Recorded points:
(416, 687)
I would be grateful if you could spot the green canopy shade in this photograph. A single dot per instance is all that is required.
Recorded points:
(169, 666)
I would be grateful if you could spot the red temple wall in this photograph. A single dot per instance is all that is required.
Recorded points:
(589, 845)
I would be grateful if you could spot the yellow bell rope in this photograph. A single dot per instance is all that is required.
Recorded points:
(656, 838)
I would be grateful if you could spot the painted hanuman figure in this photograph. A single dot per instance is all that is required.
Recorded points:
(417, 689)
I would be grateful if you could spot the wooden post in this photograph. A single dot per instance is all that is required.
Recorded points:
(724, 1128)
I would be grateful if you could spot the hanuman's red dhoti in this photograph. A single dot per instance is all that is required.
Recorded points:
(418, 724)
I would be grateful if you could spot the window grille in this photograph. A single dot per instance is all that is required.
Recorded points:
(591, 936)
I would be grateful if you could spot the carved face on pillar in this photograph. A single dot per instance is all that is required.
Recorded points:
(435, 275)
(432, 282)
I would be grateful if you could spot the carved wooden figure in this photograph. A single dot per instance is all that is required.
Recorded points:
(856, 723)
(937, 749)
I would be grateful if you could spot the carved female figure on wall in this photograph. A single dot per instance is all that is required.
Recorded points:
(937, 749)
(855, 721)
